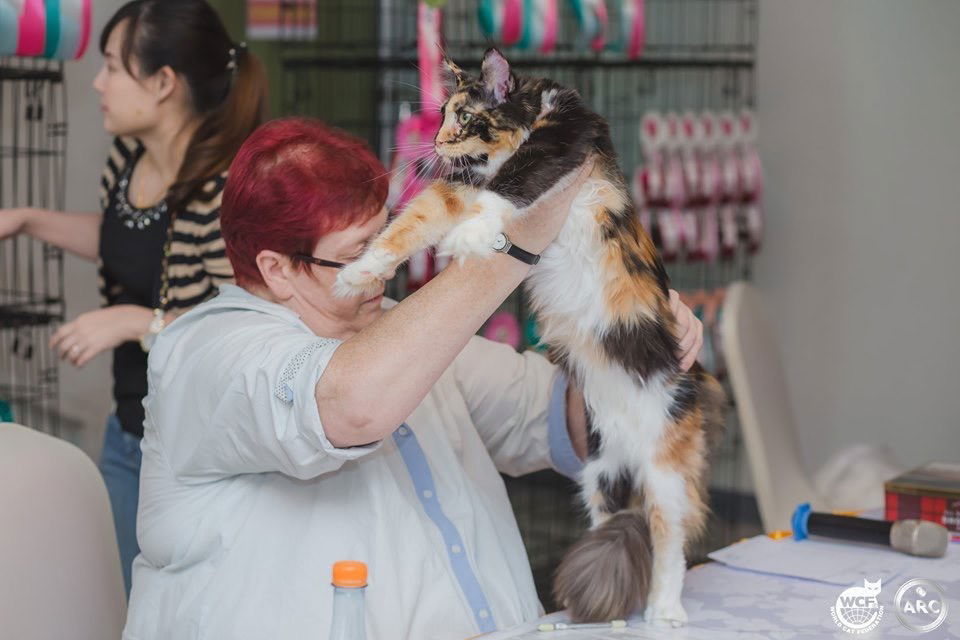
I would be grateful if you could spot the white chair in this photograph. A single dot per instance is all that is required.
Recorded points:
(763, 405)
(59, 564)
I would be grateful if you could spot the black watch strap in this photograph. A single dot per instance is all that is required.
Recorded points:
(503, 245)
(523, 255)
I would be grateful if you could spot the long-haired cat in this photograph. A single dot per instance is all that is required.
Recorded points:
(601, 295)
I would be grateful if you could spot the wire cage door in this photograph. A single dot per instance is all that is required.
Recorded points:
(33, 133)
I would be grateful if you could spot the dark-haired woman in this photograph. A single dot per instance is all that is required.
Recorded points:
(180, 96)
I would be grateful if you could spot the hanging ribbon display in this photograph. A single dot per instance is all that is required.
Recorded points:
(411, 167)
(57, 29)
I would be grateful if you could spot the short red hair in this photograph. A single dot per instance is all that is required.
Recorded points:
(293, 181)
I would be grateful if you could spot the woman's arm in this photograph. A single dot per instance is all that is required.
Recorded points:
(378, 377)
(78, 233)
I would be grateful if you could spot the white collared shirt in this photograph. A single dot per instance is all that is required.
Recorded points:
(245, 505)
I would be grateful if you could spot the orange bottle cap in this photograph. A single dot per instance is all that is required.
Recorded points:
(349, 573)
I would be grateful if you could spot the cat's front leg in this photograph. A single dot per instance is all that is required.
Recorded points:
(476, 234)
(421, 224)
(363, 276)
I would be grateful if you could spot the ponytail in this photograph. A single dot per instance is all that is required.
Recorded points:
(222, 131)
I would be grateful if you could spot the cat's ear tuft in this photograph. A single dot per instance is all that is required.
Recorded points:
(496, 76)
(453, 73)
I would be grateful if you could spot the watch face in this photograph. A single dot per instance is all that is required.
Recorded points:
(500, 242)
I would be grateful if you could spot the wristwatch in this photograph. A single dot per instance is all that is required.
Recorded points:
(502, 244)
(156, 326)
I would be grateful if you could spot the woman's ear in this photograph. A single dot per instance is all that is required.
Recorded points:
(276, 269)
(165, 82)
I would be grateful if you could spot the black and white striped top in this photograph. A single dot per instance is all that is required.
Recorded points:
(130, 259)
(198, 262)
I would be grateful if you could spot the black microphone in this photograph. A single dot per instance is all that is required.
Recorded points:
(916, 537)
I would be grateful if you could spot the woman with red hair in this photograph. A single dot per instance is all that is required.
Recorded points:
(288, 429)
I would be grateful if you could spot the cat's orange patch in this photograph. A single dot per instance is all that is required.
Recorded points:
(681, 442)
(627, 296)
(457, 100)
(424, 220)
(452, 201)
(507, 141)
(542, 122)
(659, 529)
(597, 501)
(695, 519)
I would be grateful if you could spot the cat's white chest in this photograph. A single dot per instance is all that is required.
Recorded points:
(568, 282)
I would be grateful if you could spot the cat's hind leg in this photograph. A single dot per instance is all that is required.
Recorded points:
(425, 219)
(676, 511)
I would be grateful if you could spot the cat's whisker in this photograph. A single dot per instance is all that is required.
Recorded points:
(418, 176)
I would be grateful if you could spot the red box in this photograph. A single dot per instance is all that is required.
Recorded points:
(930, 492)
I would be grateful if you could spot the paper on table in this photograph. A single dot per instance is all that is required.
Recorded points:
(833, 562)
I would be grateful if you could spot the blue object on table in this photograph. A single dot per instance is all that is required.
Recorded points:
(800, 517)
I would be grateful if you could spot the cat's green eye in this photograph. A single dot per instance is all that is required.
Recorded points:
(465, 117)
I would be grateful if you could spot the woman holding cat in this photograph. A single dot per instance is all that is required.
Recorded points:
(287, 428)
(180, 97)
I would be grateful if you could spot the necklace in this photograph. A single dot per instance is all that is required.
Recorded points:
(131, 216)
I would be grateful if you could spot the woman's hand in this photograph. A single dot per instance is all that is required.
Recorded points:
(690, 330)
(93, 332)
(538, 226)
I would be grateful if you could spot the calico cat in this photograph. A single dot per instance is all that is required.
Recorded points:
(601, 295)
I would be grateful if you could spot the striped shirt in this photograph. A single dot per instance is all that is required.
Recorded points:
(130, 259)
(198, 262)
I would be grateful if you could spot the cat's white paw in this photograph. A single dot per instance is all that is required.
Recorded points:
(365, 275)
(472, 237)
(666, 615)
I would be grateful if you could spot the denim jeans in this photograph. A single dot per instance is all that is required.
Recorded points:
(120, 466)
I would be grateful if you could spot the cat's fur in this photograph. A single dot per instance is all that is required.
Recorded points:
(601, 296)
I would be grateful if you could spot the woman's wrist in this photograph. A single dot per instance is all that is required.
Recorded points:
(139, 321)
(24, 217)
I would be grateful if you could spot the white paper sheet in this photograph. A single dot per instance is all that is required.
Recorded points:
(833, 562)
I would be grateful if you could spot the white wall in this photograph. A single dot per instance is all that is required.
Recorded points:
(859, 109)
(85, 393)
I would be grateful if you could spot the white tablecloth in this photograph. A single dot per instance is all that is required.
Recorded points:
(725, 603)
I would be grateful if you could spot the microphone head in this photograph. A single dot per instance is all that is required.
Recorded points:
(920, 538)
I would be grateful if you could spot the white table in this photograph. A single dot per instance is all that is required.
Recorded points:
(725, 603)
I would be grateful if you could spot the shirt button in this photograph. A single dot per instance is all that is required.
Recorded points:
(456, 548)
(403, 431)
(427, 494)
(483, 613)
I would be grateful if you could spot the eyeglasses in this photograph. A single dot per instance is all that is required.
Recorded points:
(320, 262)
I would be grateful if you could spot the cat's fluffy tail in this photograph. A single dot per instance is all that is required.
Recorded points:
(606, 575)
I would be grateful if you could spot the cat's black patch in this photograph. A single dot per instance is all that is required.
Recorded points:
(643, 347)
(687, 394)
(593, 439)
(616, 493)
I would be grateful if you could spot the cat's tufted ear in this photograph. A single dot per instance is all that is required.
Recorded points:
(453, 74)
(496, 76)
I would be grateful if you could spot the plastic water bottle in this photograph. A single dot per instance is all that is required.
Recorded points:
(349, 585)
